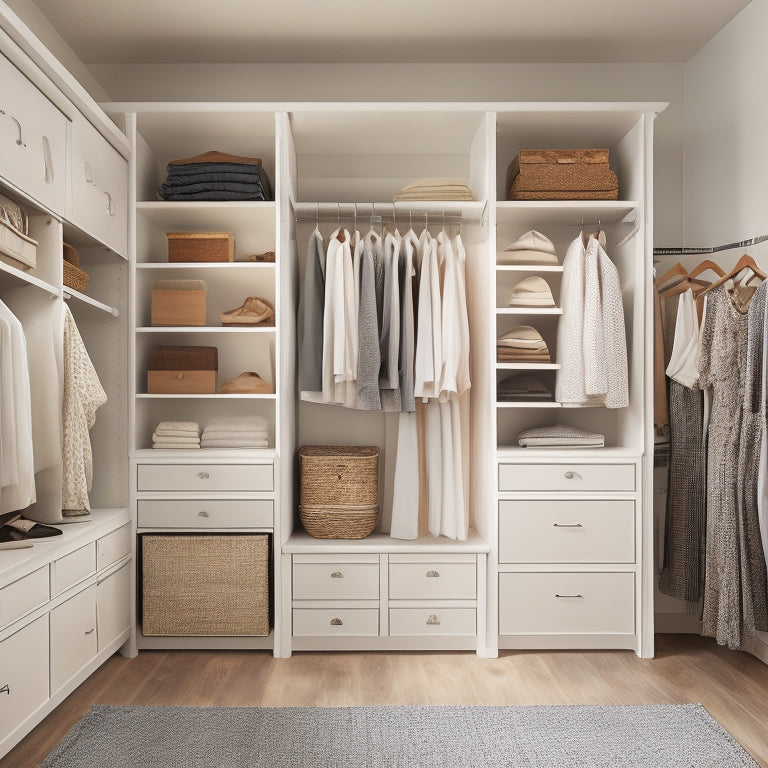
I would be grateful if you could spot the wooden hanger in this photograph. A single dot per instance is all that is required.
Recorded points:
(677, 271)
(677, 288)
(745, 262)
(704, 266)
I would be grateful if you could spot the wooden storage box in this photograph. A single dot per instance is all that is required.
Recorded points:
(182, 370)
(201, 246)
(205, 585)
(562, 174)
(178, 303)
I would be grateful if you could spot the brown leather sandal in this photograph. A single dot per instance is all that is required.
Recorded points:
(247, 383)
(254, 311)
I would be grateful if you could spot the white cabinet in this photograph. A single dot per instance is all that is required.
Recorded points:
(113, 611)
(23, 687)
(98, 187)
(23, 596)
(33, 136)
(73, 636)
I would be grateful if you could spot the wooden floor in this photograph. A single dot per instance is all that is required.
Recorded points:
(732, 686)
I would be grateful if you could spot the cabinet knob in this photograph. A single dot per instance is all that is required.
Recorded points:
(433, 621)
(203, 513)
(5, 689)
(569, 475)
(337, 575)
(19, 141)
(433, 575)
(556, 595)
(336, 623)
(567, 525)
(90, 631)
(203, 475)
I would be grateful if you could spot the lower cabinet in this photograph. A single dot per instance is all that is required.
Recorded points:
(74, 642)
(113, 611)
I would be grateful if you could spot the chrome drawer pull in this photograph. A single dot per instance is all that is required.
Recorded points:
(90, 631)
(19, 141)
(567, 525)
(569, 475)
(88, 174)
(336, 623)
(203, 513)
(203, 475)
(337, 575)
(433, 575)
(5, 689)
(433, 621)
(569, 595)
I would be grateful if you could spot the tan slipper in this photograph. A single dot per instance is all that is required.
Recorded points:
(254, 311)
(247, 383)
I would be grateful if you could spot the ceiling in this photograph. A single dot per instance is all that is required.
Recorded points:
(238, 31)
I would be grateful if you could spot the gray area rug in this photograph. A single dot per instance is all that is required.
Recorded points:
(656, 736)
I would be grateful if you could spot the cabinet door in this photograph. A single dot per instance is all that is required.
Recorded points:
(98, 187)
(113, 605)
(33, 136)
(23, 675)
(73, 636)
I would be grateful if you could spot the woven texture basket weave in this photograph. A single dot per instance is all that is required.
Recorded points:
(74, 277)
(205, 585)
(339, 487)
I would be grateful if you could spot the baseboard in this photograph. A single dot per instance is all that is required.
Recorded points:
(677, 624)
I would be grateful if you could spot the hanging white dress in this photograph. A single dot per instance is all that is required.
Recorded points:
(569, 387)
(83, 394)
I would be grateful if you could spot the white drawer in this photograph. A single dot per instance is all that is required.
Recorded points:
(566, 477)
(567, 531)
(432, 621)
(73, 636)
(98, 186)
(113, 547)
(328, 581)
(113, 605)
(432, 580)
(205, 477)
(33, 139)
(71, 568)
(566, 603)
(205, 513)
(330, 622)
(24, 595)
(23, 686)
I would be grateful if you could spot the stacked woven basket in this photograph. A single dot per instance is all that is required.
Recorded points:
(339, 490)
(74, 277)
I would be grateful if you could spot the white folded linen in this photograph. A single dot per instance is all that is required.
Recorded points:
(236, 424)
(234, 443)
(184, 426)
(174, 438)
(177, 446)
(230, 435)
(176, 433)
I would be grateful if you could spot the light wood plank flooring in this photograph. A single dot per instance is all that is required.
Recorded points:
(732, 686)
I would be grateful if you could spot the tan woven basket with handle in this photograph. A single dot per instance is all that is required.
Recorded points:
(74, 277)
(339, 488)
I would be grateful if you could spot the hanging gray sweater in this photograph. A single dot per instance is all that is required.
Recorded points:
(309, 326)
(369, 357)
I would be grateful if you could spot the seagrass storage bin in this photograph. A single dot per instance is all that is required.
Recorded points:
(338, 490)
(205, 585)
(200, 246)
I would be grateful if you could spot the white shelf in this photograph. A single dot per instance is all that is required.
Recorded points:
(70, 293)
(539, 214)
(529, 268)
(302, 543)
(534, 404)
(529, 311)
(470, 210)
(16, 276)
(145, 396)
(553, 453)
(205, 329)
(205, 265)
(209, 454)
(527, 366)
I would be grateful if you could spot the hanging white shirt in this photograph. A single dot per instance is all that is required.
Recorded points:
(683, 364)
(569, 386)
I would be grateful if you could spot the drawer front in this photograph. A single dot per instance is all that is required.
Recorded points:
(23, 686)
(24, 595)
(74, 567)
(330, 622)
(566, 477)
(99, 186)
(405, 622)
(328, 581)
(113, 606)
(33, 140)
(113, 547)
(438, 581)
(206, 513)
(205, 477)
(73, 636)
(566, 531)
(566, 603)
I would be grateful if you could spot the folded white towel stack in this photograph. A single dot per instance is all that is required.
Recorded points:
(249, 432)
(176, 435)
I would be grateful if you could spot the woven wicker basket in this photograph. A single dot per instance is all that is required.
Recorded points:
(74, 277)
(205, 585)
(339, 487)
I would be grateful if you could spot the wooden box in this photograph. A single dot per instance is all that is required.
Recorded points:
(182, 371)
(201, 246)
(178, 303)
(562, 174)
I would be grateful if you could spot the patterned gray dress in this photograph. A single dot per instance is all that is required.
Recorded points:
(734, 604)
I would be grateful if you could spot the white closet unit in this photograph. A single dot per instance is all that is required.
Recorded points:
(230, 491)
